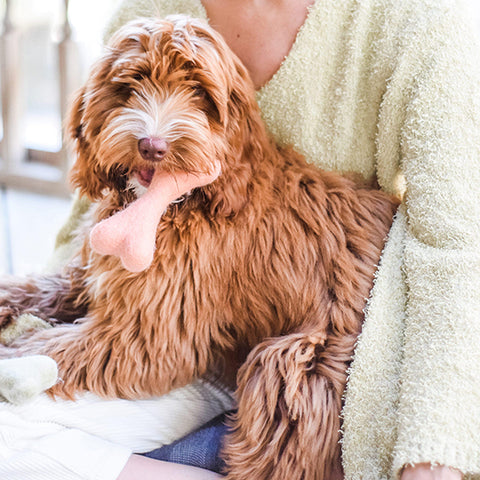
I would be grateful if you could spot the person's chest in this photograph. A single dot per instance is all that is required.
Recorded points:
(261, 33)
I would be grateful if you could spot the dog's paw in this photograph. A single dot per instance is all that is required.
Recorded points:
(23, 378)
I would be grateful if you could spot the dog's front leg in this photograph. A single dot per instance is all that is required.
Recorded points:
(289, 404)
(60, 343)
(113, 358)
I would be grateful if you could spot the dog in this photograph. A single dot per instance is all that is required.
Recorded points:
(261, 275)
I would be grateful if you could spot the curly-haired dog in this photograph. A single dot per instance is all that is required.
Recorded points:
(267, 267)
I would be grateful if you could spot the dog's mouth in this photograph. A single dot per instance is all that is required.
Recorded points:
(145, 176)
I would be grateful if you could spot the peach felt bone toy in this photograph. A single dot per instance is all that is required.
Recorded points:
(130, 233)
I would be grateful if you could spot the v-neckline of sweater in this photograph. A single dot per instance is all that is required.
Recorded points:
(294, 47)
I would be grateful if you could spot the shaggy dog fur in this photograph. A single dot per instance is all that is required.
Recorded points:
(268, 267)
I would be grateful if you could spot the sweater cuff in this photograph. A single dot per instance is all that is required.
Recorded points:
(439, 407)
(90, 457)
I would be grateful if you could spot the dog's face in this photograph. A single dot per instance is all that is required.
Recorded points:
(168, 94)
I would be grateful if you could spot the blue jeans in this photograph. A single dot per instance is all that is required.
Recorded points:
(200, 448)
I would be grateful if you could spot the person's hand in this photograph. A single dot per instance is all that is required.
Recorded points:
(424, 471)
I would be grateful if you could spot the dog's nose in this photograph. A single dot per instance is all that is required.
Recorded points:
(153, 149)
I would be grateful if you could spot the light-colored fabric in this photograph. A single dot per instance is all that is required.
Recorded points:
(92, 438)
(24, 378)
(391, 89)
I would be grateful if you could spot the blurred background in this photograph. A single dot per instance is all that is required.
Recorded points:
(46, 48)
(39, 28)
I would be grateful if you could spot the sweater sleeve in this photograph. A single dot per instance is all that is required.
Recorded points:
(439, 404)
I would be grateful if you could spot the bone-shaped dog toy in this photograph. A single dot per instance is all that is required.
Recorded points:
(130, 233)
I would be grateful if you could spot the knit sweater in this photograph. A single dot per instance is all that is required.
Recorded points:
(391, 90)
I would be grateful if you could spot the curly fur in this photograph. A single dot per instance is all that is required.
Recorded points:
(268, 267)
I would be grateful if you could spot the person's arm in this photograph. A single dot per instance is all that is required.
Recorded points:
(144, 468)
(439, 142)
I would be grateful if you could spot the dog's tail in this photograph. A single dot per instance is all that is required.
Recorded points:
(289, 404)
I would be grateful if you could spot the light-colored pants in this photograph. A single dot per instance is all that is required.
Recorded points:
(92, 438)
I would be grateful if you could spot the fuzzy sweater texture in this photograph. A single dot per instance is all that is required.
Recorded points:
(391, 90)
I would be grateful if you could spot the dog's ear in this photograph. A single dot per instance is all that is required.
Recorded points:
(73, 124)
(218, 70)
(230, 87)
(86, 117)
(84, 175)
(241, 131)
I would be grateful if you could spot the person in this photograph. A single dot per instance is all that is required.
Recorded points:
(389, 90)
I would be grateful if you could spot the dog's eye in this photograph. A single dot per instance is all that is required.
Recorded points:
(138, 77)
(199, 91)
(122, 90)
(206, 102)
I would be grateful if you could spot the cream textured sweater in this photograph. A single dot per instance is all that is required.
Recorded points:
(391, 89)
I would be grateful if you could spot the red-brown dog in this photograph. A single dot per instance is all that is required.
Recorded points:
(269, 265)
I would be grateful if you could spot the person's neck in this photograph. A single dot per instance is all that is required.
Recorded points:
(260, 32)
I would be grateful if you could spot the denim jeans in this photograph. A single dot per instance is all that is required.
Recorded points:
(200, 448)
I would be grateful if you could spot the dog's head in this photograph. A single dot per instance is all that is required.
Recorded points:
(167, 94)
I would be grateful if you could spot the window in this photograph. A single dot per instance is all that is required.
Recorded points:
(46, 49)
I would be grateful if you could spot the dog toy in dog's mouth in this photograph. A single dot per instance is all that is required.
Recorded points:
(130, 234)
